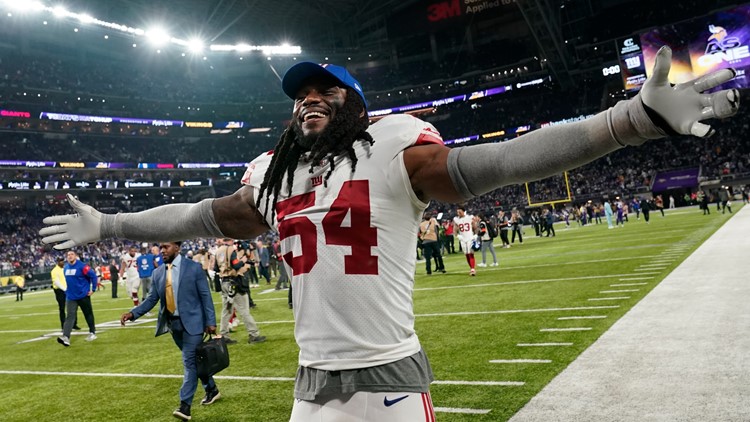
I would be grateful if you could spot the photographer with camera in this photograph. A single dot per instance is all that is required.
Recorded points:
(234, 293)
(252, 262)
(245, 254)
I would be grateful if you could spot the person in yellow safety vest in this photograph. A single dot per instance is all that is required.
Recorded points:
(20, 283)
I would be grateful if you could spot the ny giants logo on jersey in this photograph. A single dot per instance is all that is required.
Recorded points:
(73, 271)
(316, 180)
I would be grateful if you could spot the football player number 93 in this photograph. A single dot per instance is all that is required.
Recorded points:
(352, 199)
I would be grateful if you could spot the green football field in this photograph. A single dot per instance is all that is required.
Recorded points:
(494, 340)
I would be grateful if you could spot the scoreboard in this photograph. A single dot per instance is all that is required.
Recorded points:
(699, 46)
(632, 65)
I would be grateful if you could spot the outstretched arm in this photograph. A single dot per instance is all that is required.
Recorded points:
(660, 109)
(237, 216)
(232, 216)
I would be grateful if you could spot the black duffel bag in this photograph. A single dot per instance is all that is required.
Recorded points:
(211, 356)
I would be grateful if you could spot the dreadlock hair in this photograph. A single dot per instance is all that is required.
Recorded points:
(338, 138)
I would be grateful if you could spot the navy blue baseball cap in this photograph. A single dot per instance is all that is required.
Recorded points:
(295, 77)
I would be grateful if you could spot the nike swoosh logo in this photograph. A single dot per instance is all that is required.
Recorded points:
(389, 403)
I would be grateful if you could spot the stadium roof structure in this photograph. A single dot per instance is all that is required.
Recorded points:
(375, 26)
(321, 22)
(566, 38)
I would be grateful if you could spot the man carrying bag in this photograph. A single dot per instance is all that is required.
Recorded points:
(211, 356)
(186, 311)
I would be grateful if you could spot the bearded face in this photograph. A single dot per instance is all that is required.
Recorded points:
(315, 107)
(324, 115)
(325, 124)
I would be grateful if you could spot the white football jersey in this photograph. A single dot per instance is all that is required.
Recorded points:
(350, 247)
(464, 225)
(131, 265)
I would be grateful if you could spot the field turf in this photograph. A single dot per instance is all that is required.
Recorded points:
(503, 314)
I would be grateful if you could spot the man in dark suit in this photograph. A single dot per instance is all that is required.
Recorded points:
(114, 274)
(187, 311)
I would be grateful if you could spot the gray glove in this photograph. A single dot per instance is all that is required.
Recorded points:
(678, 109)
(73, 229)
(167, 223)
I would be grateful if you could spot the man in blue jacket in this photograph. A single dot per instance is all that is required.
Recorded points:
(145, 270)
(81, 280)
(187, 311)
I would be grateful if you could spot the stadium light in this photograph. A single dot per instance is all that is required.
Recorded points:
(60, 12)
(281, 49)
(195, 45)
(84, 18)
(157, 36)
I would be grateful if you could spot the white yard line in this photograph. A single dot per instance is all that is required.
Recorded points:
(553, 330)
(518, 311)
(489, 383)
(627, 284)
(547, 280)
(609, 298)
(462, 410)
(620, 291)
(591, 261)
(520, 361)
(565, 318)
(636, 278)
(543, 344)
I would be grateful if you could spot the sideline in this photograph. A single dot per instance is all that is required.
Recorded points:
(680, 354)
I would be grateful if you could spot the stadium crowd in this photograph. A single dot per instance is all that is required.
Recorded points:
(77, 148)
(627, 172)
(22, 251)
(125, 88)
